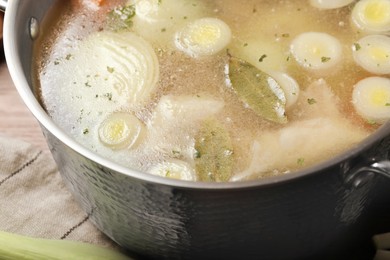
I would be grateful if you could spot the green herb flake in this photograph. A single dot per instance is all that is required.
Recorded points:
(163, 30)
(325, 59)
(300, 161)
(176, 153)
(86, 131)
(245, 44)
(285, 35)
(197, 155)
(110, 69)
(387, 104)
(261, 59)
(311, 101)
(356, 46)
(87, 84)
(68, 57)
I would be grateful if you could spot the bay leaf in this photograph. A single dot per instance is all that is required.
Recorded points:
(214, 157)
(258, 90)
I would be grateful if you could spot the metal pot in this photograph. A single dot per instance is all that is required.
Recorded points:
(328, 211)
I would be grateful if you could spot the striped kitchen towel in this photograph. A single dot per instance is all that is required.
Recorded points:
(34, 200)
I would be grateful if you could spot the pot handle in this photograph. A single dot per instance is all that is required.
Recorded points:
(3, 5)
(360, 175)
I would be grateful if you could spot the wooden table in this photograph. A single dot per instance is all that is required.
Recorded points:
(15, 119)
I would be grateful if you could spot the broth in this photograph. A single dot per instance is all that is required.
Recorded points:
(209, 90)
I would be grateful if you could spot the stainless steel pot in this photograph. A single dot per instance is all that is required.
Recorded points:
(328, 211)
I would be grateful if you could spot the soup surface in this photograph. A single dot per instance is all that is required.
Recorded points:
(219, 90)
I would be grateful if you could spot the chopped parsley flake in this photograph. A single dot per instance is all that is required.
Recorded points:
(325, 59)
(300, 161)
(357, 46)
(311, 101)
(87, 84)
(261, 59)
(110, 69)
(197, 155)
(387, 104)
(86, 131)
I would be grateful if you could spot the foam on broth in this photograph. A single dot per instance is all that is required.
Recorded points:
(315, 131)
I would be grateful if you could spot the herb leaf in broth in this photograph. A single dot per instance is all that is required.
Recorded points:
(258, 90)
(214, 156)
(121, 18)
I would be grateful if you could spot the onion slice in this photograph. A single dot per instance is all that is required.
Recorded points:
(130, 60)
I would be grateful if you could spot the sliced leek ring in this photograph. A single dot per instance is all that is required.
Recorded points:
(373, 53)
(372, 16)
(121, 130)
(330, 4)
(175, 169)
(289, 85)
(316, 51)
(203, 37)
(371, 99)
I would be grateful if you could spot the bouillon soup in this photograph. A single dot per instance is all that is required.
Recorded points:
(220, 90)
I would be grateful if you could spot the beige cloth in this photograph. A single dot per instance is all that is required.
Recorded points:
(34, 200)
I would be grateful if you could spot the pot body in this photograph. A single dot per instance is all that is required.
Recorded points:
(328, 213)
(321, 216)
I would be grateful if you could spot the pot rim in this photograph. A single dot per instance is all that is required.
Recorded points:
(16, 71)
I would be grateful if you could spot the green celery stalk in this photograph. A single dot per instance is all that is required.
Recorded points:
(20, 247)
